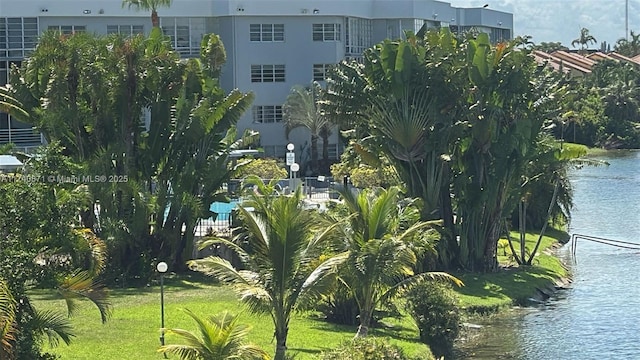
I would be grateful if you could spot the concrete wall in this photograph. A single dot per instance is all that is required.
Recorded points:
(298, 53)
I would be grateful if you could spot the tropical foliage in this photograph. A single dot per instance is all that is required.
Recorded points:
(453, 117)
(148, 5)
(262, 168)
(384, 239)
(435, 310)
(302, 109)
(42, 244)
(370, 348)
(153, 145)
(628, 47)
(221, 338)
(583, 40)
(278, 245)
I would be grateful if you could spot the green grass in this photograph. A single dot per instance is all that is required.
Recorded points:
(133, 330)
(485, 293)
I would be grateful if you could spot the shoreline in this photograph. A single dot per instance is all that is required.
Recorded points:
(488, 325)
(513, 285)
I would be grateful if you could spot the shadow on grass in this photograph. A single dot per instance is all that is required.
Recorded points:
(397, 332)
(517, 284)
(294, 351)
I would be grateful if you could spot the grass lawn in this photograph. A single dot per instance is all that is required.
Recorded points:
(133, 330)
(484, 293)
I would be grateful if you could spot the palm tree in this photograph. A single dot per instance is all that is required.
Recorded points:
(10, 105)
(278, 246)
(584, 40)
(221, 338)
(7, 321)
(148, 5)
(384, 241)
(628, 47)
(301, 109)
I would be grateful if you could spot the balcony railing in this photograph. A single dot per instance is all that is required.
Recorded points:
(22, 138)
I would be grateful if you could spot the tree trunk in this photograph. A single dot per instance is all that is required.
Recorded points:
(155, 20)
(281, 343)
(365, 321)
(314, 153)
(490, 260)
(448, 248)
(325, 151)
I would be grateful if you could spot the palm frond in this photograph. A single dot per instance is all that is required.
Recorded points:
(7, 320)
(407, 283)
(55, 326)
(83, 285)
(221, 337)
(245, 283)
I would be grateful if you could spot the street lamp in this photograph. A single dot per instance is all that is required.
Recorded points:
(291, 160)
(162, 268)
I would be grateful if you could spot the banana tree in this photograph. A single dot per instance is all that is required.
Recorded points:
(401, 104)
(508, 100)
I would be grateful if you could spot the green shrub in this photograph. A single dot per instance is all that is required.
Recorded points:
(262, 168)
(365, 176)
(339, 307)
(434, 308)
(369, 348)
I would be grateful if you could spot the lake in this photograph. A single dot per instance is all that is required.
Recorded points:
(597, 317)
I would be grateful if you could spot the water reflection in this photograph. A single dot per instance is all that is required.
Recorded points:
(598, 317)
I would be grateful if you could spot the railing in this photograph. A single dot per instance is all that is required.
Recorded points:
(220, 226)
(29, 137)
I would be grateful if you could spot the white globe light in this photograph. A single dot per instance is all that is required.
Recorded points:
(295, 167)
(162, 267)
(290, 147)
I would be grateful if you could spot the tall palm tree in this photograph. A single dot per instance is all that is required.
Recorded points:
(148, 5)
(628, 47)
(278, 246)
(583, 40)
(302, 109)
(221, 338)
(384, 241)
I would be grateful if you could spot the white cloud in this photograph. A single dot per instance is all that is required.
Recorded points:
(561, 20)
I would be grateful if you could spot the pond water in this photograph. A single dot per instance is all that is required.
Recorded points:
(598, 317)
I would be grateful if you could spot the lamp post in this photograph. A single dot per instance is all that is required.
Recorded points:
(162, 268)
(291, 159)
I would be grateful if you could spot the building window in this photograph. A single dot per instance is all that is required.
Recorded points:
(185, 33)
(266, 32)
(68, 29)
(357, 36)
(267, 114)
(126, 30)
(320, 71)
(327, 32)
(267, 73)
(18, 36)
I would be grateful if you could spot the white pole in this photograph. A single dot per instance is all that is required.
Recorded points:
(626, 20)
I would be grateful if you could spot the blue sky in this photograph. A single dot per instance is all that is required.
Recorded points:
(561, 20)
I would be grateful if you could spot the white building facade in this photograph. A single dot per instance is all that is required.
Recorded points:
(271, 45)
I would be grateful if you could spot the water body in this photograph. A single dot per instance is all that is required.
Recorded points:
(599, 316)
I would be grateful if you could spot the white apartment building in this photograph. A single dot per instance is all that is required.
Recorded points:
(271, 44)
